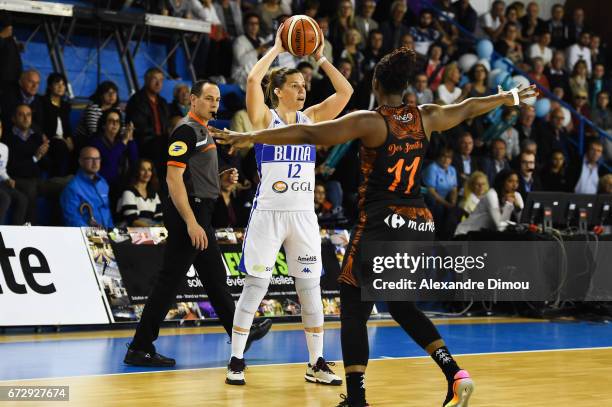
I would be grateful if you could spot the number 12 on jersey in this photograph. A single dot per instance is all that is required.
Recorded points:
(294, 171)
(398, 171)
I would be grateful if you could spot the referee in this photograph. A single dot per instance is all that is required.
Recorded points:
(193, 184)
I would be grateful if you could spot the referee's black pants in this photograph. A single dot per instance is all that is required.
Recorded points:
(178, 257)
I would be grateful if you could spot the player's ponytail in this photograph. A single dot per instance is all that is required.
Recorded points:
(276, 78)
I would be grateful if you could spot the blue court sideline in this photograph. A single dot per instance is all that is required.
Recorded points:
(60, 358)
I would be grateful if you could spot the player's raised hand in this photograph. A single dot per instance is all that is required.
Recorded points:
(278, 42)
(231, 138)
(522, 93)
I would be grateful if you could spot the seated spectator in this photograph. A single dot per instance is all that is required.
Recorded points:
(602, 117)
(104, 98)
(581, 104)
(117, 148)
(449, 91)
(364, 22)
(497, 161)
(229, 212)
(230, 15)
(579, 81)
(557, 27)
(434, 68)
(575, 27)
(11, 66)
(537, 73)
(10, 197)
(501, 204)
(440, 179)
(410, 99)
(528, 179)
(526, 125)
(394, 28)
(139, 204)
(588, 170)
(84, 201)
(598, 83)
(508, 45)
(555, 175)
(56, 125)
(531, 23)
(350, 52)
(493, 22)
(476, 186)
(605, 185)
(149, 113)
(247, 49)
(269, 11)
(423, 94)
(424, 34)
(554, 136)
(556, 74)
(28, 160)
(180, 104)
(527, 146)
(541, 48)
(580, 51)
(463, 162)
(509, 133)
(340, 24)
(373, 52)
(479, 78)
(512, 17)
(25, 94)
(323, 208)
(465, 15)
(598, 55)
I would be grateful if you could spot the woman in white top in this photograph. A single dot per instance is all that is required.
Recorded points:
(541, 48)
(476, 186)
(449, 92)
(497, 207)
(139, 204)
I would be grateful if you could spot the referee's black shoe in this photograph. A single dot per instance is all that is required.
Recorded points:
(147, 359)
(258, 331)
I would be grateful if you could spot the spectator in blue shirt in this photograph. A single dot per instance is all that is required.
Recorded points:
(84, 201)
(440, 178)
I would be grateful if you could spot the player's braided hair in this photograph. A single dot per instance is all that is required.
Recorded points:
(395, 70)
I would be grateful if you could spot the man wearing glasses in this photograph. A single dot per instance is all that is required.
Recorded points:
(84, 201)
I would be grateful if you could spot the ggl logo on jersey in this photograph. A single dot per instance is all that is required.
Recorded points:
(280, 187)
(395, 221)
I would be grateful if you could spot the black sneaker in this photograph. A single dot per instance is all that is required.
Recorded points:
(235, 372)
(345, 403)
(148, 359)
(258, 331)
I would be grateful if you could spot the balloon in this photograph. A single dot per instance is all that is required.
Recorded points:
(484, 48)
(503, 63)
(486, 63)
(463, 81)
(520, 81)
(567, 117)
(542, 107)
(467, 61)
(497, 78)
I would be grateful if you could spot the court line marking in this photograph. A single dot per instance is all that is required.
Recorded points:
(301, 363)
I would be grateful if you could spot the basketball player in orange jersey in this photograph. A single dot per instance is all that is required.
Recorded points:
(283, 208)
(391, 180)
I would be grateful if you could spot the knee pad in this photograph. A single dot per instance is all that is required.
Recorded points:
(309, 292)
(252, 294)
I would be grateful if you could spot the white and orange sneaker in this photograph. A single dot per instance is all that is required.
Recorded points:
(463, 387)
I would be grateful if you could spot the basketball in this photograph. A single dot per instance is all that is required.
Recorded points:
(301, 35)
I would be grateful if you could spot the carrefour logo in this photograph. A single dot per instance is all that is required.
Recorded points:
(395, 221)
(177, 148)
(280, 187)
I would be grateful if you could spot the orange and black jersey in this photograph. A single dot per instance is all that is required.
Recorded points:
(193, 148)
(392, 172)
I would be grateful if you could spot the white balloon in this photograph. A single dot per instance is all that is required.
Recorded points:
(467, 61)
(521, 81)
(486, 63)
(567, 117)
(531, 101)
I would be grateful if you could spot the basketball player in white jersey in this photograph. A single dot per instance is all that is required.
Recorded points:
(283, 208)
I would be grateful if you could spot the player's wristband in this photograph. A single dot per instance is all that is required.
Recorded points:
(321, 60)
(515, 96)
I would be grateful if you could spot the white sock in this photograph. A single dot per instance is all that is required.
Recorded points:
(239, 340)
(314, 341)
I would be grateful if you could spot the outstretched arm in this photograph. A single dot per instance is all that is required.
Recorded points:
(440, 118)
(333, 105)
(368, 126)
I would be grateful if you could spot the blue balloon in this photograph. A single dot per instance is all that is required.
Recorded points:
(503, 63)
(464, 80)
(542, 107)
(484, 48)
(501, 78)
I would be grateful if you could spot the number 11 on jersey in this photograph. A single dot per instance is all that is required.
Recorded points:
(398, 171)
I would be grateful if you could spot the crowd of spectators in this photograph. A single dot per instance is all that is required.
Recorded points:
(109, 170)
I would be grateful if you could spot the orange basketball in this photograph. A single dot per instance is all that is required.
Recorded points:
(301, 35)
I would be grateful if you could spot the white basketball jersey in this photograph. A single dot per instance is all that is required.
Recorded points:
(286, 172)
